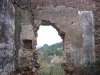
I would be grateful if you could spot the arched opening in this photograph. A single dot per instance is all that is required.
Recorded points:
(50, 48)
(47, 35)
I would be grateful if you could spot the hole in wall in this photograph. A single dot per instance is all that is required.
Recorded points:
(47, 35)
(49, 46)
(27, 44)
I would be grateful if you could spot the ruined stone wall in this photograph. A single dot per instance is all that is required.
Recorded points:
(7, 28)
(87, 24)
(71, 17)
(79, 26)
(69, 22)
(78, 4)
(97, 28)
(26, 41)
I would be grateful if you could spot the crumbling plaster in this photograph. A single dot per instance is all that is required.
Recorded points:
(79, 28)
(65, 17)
(70, 22)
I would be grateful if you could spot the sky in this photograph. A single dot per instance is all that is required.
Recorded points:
(47, 35)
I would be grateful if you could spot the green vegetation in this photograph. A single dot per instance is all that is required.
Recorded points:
(47, 53)
(51, 47)
(52, 70)
(52, 52)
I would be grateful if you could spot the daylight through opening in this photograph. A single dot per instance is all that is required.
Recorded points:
(50, 48)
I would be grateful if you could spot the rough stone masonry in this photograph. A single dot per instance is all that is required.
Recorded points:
(20, 21)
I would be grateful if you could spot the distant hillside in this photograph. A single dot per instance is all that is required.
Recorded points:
(51, 58)
(51, 47)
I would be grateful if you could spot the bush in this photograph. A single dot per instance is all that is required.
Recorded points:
(53, 70)
(52, 52)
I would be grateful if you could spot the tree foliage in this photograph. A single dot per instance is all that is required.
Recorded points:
(52, 52)
(53, 70)
(51, 47)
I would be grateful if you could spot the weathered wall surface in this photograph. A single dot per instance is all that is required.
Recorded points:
(26, 37)
(78, 4)
(97, 28)
(6, 36)
(79, 25)
(63, 15)
(65, 20)
(87, 25)
(86, 52)
(73, 17)
(25, 41)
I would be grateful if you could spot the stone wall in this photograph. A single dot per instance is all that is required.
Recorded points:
(71, 17)
(7, 28)
(25, 41)
(27, 38)
(78, 4)
(79, 26)
(97, 28)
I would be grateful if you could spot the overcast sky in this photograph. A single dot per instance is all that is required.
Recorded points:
(47, 35)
